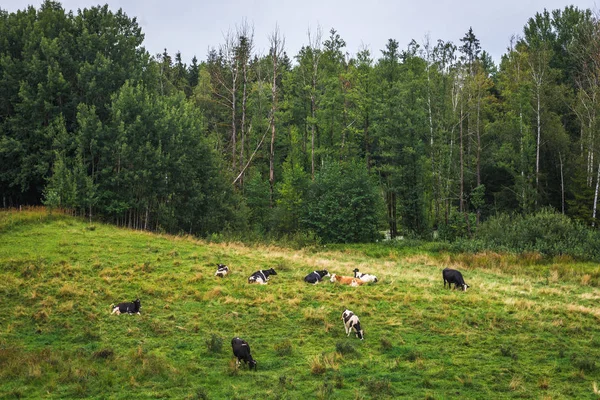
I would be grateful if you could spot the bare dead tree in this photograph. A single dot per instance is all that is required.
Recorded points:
(245, 47)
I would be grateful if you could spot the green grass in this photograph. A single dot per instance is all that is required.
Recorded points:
(527, 328)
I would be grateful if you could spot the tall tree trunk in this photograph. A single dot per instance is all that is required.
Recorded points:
(538, 142)
(596, 197)
(462, 172)
(277, 45)
(562, 183)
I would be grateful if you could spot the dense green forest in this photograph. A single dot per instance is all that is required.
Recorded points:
(415, 138)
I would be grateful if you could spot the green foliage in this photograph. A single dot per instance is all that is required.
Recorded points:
(546, 232)
(214, 344)
(457, 226)
(344, 205)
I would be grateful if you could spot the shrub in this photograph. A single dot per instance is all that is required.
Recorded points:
(214, 344)
(343, 204)
(546, 232)
(283, 348)
(345, 348)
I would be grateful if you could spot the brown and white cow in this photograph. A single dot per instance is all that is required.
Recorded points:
(346, 280)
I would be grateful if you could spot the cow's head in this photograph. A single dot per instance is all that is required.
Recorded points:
(252, 364)
(332, 279)
(465, 287)
(323, 273)
(271, 271)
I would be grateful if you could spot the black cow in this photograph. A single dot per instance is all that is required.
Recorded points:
(453, 276)
(222, 270)
(316, 276)
(129, 308)
(261, 276)
(241, 350)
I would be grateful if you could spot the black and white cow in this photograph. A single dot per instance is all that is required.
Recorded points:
(129, 308)
(241, 350)
(453, 276)
(222, 270)
(316, 276)
(364, 277)
(261, 276)
(351, 322)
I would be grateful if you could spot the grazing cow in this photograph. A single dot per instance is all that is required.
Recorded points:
(261, 276)
(346, 280)
(316, 276)
(222, 270)
(364, 277)
(129, 308)
(453, 276)
(351, 321)
(241, 350)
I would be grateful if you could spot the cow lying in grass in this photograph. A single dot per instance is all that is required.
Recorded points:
(316, 276)
(241, 350)
(346, 280)
(261, 276)
(453, 276)
(222, 270)
(129, 308)
(364, 277)
(351, 322)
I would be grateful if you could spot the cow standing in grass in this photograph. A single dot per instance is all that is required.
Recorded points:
(241, 350)
(453, 276)
(351, 322)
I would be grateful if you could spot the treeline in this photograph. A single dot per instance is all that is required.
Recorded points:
(433, 136)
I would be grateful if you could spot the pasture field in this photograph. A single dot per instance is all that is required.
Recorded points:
(527, 328)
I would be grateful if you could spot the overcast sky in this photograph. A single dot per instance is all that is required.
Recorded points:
(192, 27)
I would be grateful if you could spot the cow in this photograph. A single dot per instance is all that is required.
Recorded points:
(351, 322)
(453, 276)
(261, 276)
(364, 277)
(222, 270)
(241, 350)
(316, 276)
(129, 308)
(346, 280)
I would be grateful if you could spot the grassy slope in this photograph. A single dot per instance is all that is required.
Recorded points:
(512, 335)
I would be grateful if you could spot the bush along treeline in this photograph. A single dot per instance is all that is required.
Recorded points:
(429, 137)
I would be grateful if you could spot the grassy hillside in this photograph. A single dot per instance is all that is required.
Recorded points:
(529, 331)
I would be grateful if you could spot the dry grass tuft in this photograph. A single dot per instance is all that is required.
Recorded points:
(584, 310)
(70, 290)
(322, 363)
(66, 306)
(586, 279)
(516, 383)
(215, 292)
(196, 278)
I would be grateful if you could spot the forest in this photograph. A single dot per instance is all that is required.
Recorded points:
(417, 140)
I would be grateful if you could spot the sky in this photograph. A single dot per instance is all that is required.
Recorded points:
(193, 27)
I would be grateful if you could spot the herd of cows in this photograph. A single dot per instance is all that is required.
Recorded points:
(241, 348)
